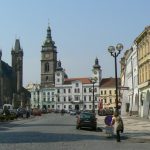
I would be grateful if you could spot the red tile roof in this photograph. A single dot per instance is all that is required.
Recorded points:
(83, 80)
(109, 82)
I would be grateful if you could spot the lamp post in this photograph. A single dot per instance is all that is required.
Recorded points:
(115, 52)
(93, 80)
(57, 98)
(38, 91)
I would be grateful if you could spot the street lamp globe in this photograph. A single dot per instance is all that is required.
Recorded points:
(111, 49)
(119, 47)
(93, 80)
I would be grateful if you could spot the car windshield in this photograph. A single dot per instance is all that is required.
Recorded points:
(86, 115)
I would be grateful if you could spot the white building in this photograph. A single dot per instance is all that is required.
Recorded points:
(68, 93)
(129, 76)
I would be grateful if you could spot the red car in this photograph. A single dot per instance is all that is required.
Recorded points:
(86, 120)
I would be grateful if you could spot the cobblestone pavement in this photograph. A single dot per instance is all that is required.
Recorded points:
(135, 128)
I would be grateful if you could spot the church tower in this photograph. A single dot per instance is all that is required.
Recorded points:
(97, 72)
(17, 64)
(48, 61)
(59, 74)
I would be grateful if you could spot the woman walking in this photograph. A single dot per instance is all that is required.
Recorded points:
(119, 127)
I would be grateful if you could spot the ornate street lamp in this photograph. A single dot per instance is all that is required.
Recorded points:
(93, 80)
(115, 52)
(38, 91)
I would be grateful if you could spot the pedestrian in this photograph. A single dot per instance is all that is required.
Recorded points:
(119, 127)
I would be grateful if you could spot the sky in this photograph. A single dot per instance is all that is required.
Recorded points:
(82, 30)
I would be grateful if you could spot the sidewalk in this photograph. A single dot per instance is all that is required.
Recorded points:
(135, 128)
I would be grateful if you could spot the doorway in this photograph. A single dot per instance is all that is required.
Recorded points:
(76, 107)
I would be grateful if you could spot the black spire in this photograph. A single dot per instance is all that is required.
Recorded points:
(49, 42)
(17, 47)
(96, 65)
(49, 33)
(59, 68)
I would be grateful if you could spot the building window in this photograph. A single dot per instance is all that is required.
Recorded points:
(84, 98)
(84, 90)
(95, 106)
(90, 90)
(110, 100)
(110, 92)
(58, 91)
(69, 98)
(46, 78)
(78, 90)
(105, 100)
(64, 106)
(77, 84)
(58, 80)
(48, 106)
(64, 90)
(105, 92)
(46, 67)
(95, 98)
(69, 90)
(70, 106)
(90, 106)
(64, 99)
(90, 98)
(101, 92)
(77, 98)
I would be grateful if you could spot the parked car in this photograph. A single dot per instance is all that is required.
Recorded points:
(73, 112)
(86, 120)
(9, 110)
(23, 112)
(36, 112)
(105, 112)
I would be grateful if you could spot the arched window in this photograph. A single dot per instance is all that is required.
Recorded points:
(46, 69)
(46, 78)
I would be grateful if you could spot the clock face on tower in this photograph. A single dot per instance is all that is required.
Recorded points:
(46, 55)
(95, 72)
(58, 74)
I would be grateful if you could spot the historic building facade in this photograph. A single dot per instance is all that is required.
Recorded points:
(11, 79)
(57, 91)
(68, 93)
(48, 61)
(129, 80)
(143, 58)
(108, 93)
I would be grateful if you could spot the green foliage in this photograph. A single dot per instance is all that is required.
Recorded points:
(7, 117)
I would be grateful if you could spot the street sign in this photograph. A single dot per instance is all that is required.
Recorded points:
(123, 88)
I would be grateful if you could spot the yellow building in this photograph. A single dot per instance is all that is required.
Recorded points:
(108, 92)
(143, 53)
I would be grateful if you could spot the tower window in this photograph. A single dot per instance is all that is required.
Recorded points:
(46, 69)
(46, 78)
